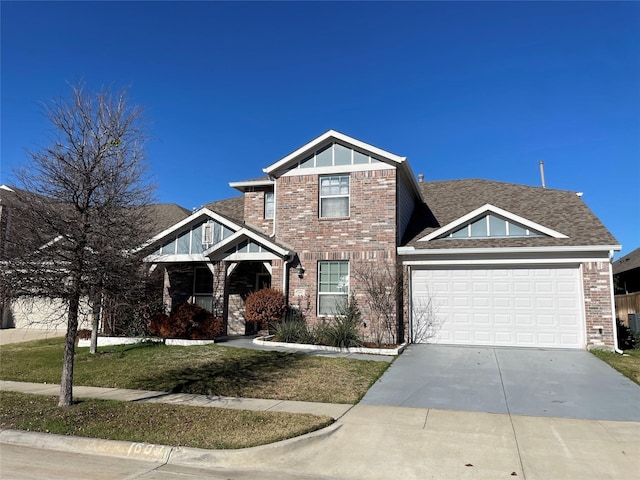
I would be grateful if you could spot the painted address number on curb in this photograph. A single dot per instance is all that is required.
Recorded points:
(147, 449)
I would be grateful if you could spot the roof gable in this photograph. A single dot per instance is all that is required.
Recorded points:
(245, 244)
(488, 209)
(325, 140)
(559, 210)
(208, 235)
(376, 159)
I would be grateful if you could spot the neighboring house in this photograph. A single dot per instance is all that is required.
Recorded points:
(485, 263)
(50, 313)
(626, 276)
(626, 273)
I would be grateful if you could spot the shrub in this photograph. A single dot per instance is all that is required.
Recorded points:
(156, 323)
(627, 340)
(265, 307)
(83, 334)
(344, 329)
(189, 321)
(293, 328)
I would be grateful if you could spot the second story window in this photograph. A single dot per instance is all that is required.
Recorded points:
(334, 196)
(268, 205)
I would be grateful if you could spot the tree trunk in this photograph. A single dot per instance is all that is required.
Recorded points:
(66, 383)
(95, 314)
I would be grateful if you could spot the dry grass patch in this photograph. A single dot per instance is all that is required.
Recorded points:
(174, 425)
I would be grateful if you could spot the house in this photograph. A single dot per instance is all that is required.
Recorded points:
(483, 262)
(626, 276)
(626, 273)
(36, 312)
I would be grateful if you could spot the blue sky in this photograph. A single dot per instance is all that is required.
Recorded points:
(464, 90)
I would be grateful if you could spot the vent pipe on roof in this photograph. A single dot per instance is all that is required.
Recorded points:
(420, 177)
(544, 185)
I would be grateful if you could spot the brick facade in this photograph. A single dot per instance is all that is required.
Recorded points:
(254, 210)
(367, 235)
(596, 280)
(385, 204)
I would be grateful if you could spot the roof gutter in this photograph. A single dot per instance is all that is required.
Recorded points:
(411, 251)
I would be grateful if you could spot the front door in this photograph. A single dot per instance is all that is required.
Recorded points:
(263, 280)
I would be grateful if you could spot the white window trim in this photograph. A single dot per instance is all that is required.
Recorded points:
(319, 293)
(273, 205)
(321, 197)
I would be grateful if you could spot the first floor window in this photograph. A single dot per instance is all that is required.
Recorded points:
(203, 288)
(333, 286)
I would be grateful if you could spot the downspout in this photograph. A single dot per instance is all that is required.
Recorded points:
(285, 276)
(275, 202)
(410, 304)
(613, 307)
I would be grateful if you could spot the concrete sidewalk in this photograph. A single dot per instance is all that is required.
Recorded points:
(379, 443)
(333, 410)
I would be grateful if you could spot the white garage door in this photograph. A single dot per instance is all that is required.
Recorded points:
(527, 307)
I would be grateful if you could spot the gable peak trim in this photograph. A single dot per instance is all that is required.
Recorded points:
(326, 138)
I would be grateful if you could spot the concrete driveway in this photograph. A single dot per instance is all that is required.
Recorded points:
(518, 381)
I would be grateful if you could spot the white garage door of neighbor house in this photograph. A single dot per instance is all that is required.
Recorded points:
(524, 307)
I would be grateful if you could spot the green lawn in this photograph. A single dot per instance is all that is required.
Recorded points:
(627, 364)
(211, 428)
(210, 370)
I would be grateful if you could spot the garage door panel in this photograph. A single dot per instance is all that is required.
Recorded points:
(461, 302)
(546, 320)
(481, 302)
(504, 306)
(504, 338)
(544, 302)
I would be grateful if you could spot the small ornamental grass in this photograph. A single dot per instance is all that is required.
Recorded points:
(343, 330)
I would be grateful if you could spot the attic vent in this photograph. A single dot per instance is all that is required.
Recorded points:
(207, 233)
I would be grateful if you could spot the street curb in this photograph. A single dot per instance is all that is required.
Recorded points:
(97, 446)
(184, 456)
(262, 454)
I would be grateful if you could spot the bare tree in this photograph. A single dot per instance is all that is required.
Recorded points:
(382, 285)
(424, 321)
(80, 208)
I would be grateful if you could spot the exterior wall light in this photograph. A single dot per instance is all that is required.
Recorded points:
(300, 271)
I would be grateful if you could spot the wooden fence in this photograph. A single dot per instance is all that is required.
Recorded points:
(626, 304)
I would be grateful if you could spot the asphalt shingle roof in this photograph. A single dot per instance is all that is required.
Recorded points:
(560, 210)
(165, 215)
(230, 207)
(628, 262)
